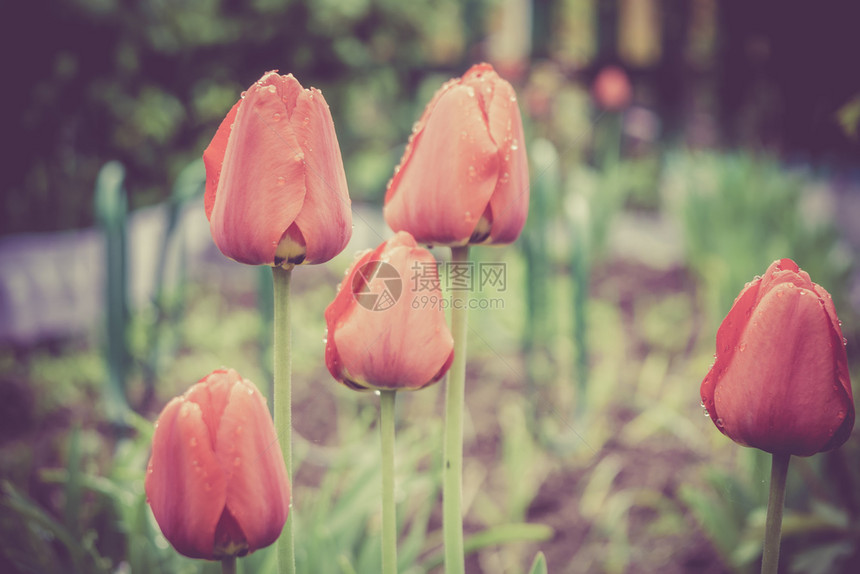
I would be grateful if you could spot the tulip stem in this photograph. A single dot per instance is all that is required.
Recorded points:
(389, 515)
(775, 503)
(228, 565)
(455, 396)
(283, 401)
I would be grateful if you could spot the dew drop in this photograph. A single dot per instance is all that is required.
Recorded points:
(505, 177)
(840, 415)
(515, 145)
(472, 171)
(471, 91)
(193, 441)
(844, 342)
(243, 94)
(742, 347)
(514, 98)
(272, 89)
(282, 180)
(720, 423)
(276, 117)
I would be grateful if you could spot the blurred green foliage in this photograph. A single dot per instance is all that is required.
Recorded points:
(147, 83)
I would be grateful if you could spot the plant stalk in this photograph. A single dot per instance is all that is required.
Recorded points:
(389, 514)
(775, 504)
(228, 565)
(282, 399)
(455, 395)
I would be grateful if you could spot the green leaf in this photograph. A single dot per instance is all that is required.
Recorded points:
(539, 564)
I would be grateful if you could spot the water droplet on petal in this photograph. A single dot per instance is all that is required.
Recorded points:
(243, 94)
(720, 423)
(193, 441)
(505, 177)
(276, 117)
(742, 347)
(472, 171)
(515, 145)
(272, 89)
(282, 180)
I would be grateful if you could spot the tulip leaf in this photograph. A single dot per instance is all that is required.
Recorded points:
(538, 564)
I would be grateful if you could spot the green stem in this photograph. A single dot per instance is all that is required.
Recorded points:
(389, 516)
(283, 401)
(228, 565)
(775, 503)
(455, 395)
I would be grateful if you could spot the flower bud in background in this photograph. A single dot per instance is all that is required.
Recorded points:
(386, 326)
(216, 481)
(780, 380)
(464, 175)
(611, 89)
(276, 190)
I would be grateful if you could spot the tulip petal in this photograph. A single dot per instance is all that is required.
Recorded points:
(768, 397)
(509, 203)
(213, 158)
(211, 393)
(261, 187)
(338, 312)
(258, 492)
(184, 483)
(325, 221)
(728, 336)
(404, 346)
(448, 174)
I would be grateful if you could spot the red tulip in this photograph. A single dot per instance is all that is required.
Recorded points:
(611, 89)
(464, 175)
(780, 380)
(216, 481)
(275, 186)
(386, 326)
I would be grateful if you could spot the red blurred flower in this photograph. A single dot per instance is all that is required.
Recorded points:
(611, 89)
(216, 481)
(464, 175)
(275, 186)
(386, 326)
(780, 380)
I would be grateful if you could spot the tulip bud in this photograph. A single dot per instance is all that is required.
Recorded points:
(464, 175)
(386, 326)
(275, 186)
(780, 380)
(216, 481)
